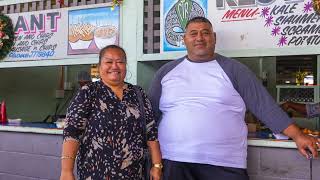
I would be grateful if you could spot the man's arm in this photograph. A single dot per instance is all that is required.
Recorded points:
(264, 107)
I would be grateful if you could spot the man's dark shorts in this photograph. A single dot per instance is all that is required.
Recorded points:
(174, 170)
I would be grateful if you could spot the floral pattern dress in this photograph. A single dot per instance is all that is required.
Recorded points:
(109, 132)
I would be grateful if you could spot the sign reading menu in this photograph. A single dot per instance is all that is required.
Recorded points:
(262, 24)
(63, 33)
(244, 24)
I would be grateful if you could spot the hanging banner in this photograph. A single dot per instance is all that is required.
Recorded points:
(63, 33)
(175, 14)
(250, 24)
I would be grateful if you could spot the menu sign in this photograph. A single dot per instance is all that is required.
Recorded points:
(63, 33)
(256, 24)
(244, 24)
(38, 35)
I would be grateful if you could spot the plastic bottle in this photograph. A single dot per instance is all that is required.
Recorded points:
(3, 111)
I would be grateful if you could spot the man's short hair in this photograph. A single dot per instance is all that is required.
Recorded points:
(198, 19)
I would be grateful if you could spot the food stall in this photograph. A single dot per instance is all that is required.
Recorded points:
(266, 36)
(32, 83)
(39, 75)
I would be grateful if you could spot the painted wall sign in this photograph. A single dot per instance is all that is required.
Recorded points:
(92, 29)
(61, 33)
(245, 24)
(174, 16)
(264, 24)
(37, 35)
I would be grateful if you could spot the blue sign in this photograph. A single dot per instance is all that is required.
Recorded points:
(175, 17)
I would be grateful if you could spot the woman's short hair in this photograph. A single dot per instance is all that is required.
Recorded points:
(113, 46)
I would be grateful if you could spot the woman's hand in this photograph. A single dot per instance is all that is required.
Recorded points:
(67, 175)
(155, 173)
(304, 142)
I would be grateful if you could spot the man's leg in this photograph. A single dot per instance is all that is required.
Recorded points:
(173, 170)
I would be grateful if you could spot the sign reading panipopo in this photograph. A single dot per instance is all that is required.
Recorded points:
(256, 24)
(62, 33)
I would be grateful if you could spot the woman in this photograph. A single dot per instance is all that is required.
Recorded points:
(104, 127)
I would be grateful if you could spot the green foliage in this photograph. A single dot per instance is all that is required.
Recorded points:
(6, 35)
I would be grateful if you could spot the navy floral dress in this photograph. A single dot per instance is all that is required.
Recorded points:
(109, 131)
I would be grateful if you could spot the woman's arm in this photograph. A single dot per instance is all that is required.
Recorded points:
(156, 169)
(155, 153)
(152, 139)
(68, 156)
(75, 123)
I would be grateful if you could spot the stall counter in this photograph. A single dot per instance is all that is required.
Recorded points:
(39, 148)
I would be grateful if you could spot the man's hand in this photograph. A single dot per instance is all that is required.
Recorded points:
(307, 143)
(304, 142)
(155, 173)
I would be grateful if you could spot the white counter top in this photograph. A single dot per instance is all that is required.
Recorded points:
(31, 130)
(272, 143)
(251, 141)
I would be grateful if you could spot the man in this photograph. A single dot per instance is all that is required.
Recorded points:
(308, 110)
(200, 101)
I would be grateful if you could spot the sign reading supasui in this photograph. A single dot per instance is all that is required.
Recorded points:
(264, 24)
